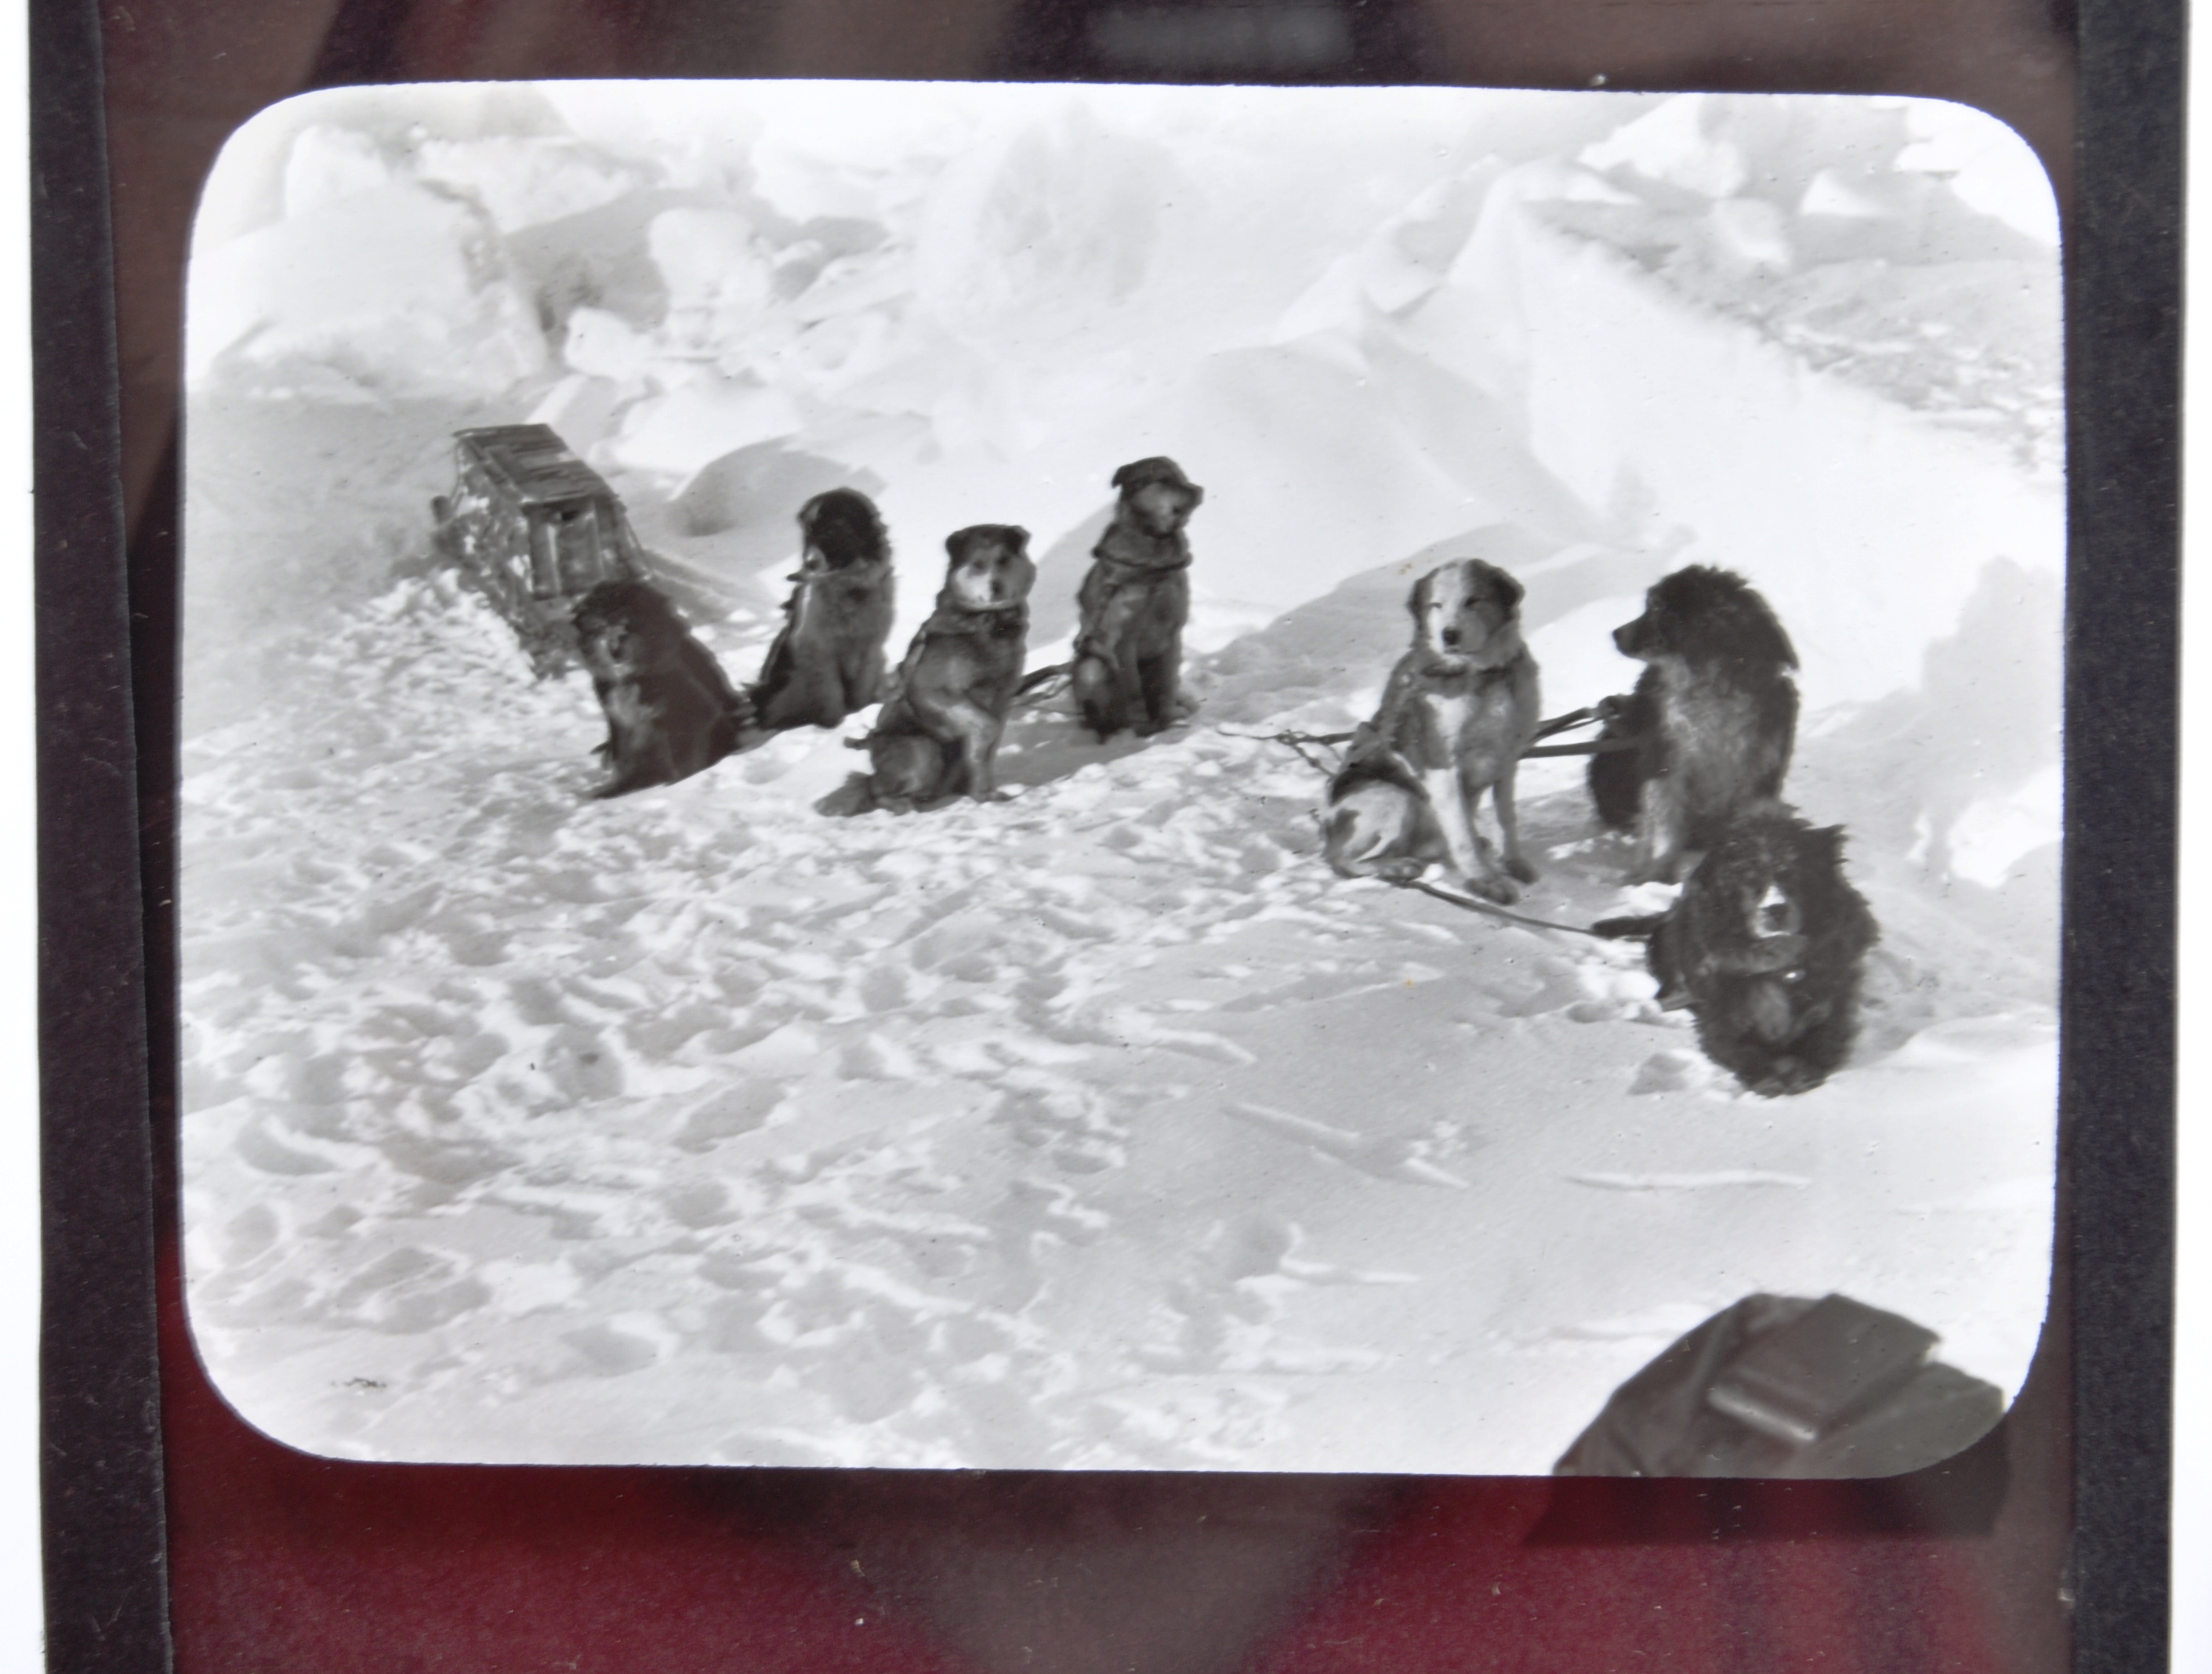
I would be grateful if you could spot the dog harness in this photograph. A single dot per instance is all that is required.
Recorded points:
(1131, 550)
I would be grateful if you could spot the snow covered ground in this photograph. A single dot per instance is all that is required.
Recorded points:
(1103, 1127)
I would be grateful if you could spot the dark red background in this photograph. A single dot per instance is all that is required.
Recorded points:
(279, 1562)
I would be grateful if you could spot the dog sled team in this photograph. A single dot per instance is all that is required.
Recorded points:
(1763, 943)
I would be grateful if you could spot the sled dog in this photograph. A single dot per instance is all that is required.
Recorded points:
(937, 734)
(1765, 945)
(669, 711)
(1134, 603)
(828, 659)
(1459, 709)
(1714, 712)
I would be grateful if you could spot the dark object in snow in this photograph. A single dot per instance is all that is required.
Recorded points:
(1786, 1387)
(1765, 944)
(671, 712)
(533, 528)
(828, 659)
(1717, 710)
(1132, 605)
(937, 734)
(1459, 707)
(1617, 775)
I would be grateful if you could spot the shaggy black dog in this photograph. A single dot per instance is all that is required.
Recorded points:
(937, 736)
(1714, 714)
(828, 659)
(1765, 945)
(671, 712)
(1134, 603)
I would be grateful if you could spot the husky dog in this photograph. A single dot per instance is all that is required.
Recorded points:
(669, 711)
(1459, 707)
(1134, 603)
(828, 659)
(937, 736)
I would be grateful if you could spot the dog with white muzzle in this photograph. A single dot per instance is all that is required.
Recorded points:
(1459, 708)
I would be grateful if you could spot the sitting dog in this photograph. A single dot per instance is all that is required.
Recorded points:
(828, 659)
(669, 711)
(1714, 714)
(939, 732)
(1765, 945)
(1459, 708)
(1134, 603)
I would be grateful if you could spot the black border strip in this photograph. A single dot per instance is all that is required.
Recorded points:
(2117, 1078)
(106, 1581)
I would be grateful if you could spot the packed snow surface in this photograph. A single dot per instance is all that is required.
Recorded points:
(1102, 1127)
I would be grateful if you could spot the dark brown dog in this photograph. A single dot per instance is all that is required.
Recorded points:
(1765, 944)
(828, 659)
(669, 711)
(939, 732)
(1460, 707)
(1715, 714)
(1134, 603)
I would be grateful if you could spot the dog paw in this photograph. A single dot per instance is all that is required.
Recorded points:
(1519, 866)
(1400, 870)
(1502, 890)
(855, 796)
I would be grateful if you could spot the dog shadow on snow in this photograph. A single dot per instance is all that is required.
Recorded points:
(1042, 746)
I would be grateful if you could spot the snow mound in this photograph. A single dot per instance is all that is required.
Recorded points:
(389, 291)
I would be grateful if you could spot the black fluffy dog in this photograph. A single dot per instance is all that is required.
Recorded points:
(1135, 603)
(670, 712)
(1765, 946)
(828, 659)
(1714, 715)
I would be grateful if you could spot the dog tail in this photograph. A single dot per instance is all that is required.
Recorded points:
(1629, 930)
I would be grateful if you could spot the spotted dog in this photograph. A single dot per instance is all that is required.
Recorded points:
(1459, 708)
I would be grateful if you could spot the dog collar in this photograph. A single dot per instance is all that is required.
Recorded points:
(1484, 676)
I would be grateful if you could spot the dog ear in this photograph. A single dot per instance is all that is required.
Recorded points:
(1017, 536)
(1417, 602)
(956, 543)
(1122, 477)
(1510, 590)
